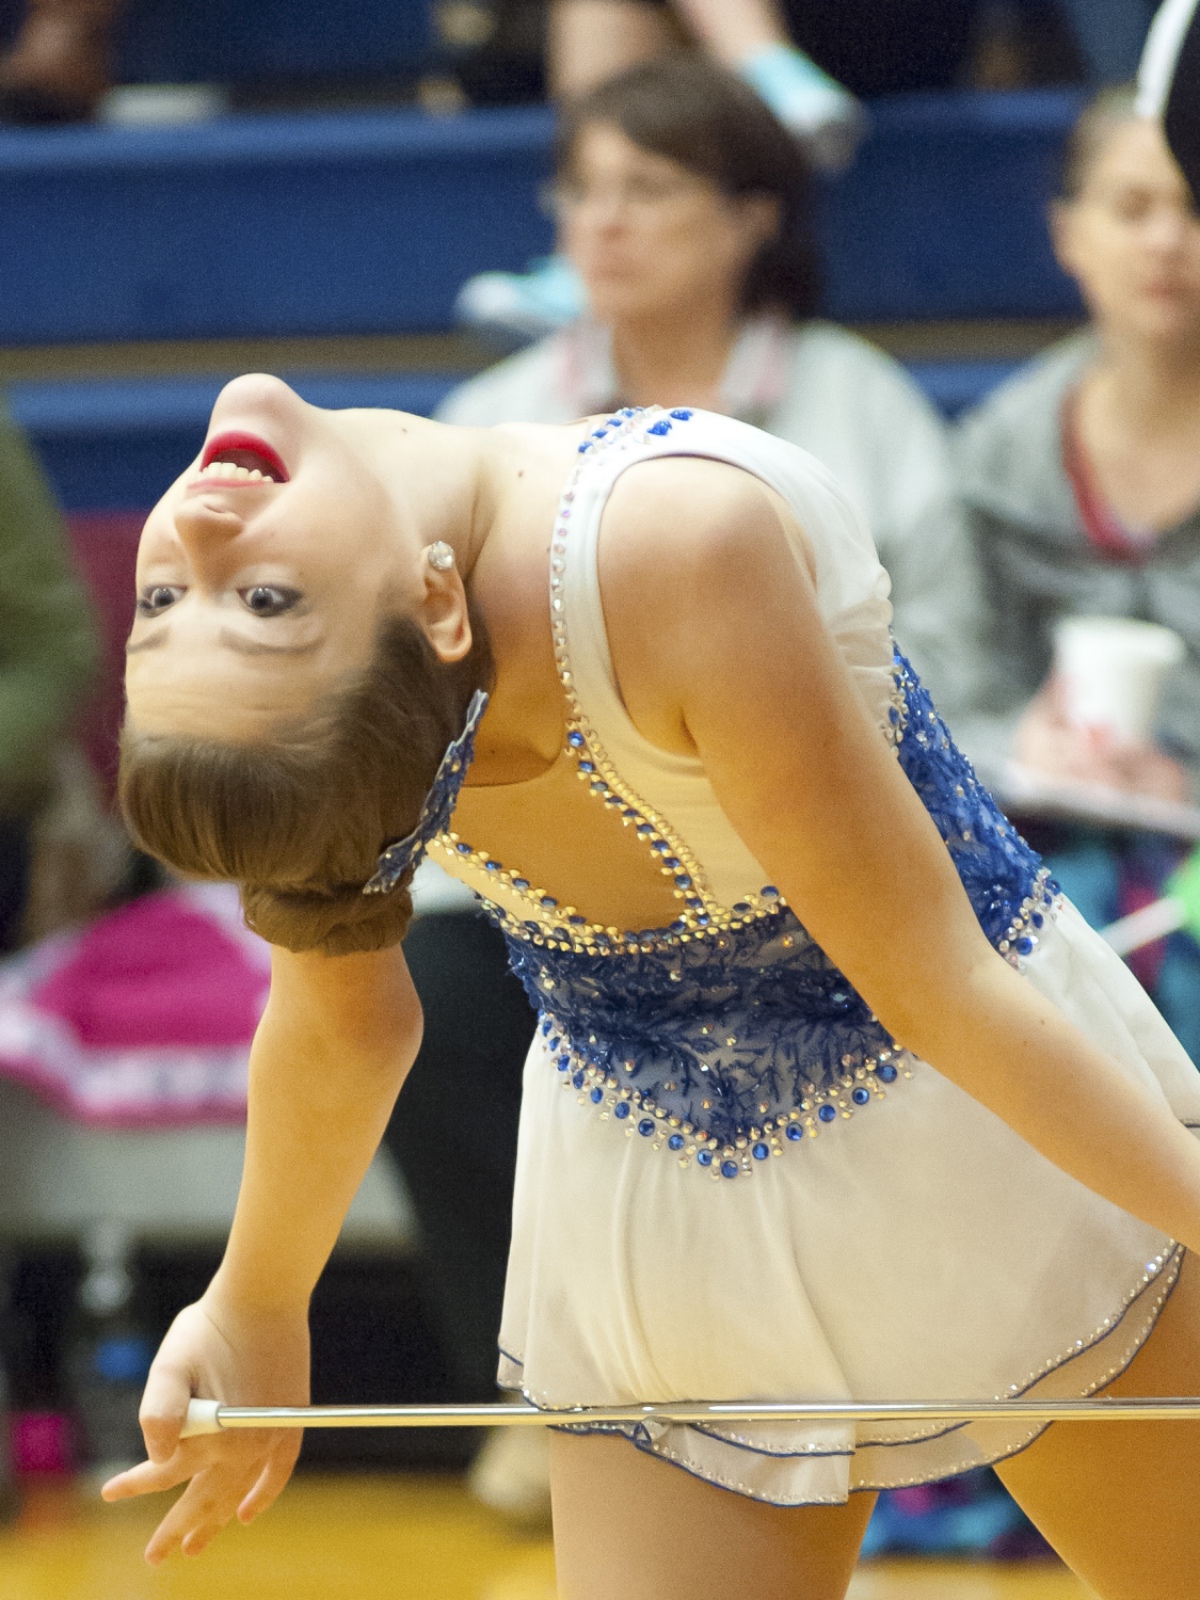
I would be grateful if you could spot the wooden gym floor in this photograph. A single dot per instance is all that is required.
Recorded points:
(374, 1538)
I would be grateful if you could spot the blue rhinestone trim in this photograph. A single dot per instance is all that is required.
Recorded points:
(664, 1128)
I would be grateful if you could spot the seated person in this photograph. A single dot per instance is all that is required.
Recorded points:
(47, 651)
(686, 209)
(588, 42)
(1082, 478)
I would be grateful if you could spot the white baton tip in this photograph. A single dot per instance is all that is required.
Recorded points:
(201, 1418)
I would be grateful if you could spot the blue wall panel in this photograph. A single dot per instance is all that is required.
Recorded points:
(354, 223)
(228, 41)
(118, 445)
(944, 214)
(224, 41)
(261, 225)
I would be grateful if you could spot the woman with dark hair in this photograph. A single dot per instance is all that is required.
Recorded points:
(832, 1093)
(688, 212)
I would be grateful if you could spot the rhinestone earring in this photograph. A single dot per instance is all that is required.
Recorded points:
(440, 556)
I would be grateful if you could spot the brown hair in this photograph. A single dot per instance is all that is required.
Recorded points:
(685, 108)
(299, 822)
(1098, 119)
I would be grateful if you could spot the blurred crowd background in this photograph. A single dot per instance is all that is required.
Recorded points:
(930, 241)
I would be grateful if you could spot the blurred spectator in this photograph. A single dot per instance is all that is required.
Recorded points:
(686, 209)
(591, 41)
(1082, 478)
(47, 650)
(61, 61)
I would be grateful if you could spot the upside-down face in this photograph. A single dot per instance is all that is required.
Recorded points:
(262, 572)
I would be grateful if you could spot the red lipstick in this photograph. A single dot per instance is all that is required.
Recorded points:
(245, 450)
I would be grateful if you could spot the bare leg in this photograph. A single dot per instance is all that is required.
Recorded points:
(590, 41)
(750, 37)
(627, 1527)
(1118, 1500)
(731, 30)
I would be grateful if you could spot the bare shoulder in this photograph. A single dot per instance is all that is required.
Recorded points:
(690, 550)
(682, 521)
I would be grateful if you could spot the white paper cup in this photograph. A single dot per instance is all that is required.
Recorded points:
(1110, 672)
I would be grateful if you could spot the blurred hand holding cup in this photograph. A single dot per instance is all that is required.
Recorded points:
(1109, 674)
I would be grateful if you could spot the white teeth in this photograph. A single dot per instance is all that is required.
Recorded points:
(227, 472)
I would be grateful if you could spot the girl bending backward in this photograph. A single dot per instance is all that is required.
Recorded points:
(832, 1095)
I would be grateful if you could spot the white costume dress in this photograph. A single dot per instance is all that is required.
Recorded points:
(732, 1184)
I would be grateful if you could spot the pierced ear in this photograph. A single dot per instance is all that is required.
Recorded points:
(444, 614)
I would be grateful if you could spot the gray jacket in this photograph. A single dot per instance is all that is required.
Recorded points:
(1037, 562)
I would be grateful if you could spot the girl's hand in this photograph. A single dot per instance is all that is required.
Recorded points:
(242, 1357)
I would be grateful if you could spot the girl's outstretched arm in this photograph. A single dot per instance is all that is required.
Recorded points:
(333, 1047)
(720, 649)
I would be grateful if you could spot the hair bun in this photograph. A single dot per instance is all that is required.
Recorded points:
(339, 921)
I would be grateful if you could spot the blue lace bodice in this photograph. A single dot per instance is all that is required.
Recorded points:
(727, 1047)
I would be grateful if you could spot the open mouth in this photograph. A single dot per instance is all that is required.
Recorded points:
(237, 457)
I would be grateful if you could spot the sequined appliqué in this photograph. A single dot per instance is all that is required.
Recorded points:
(728, 1049)
(722, 1051)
